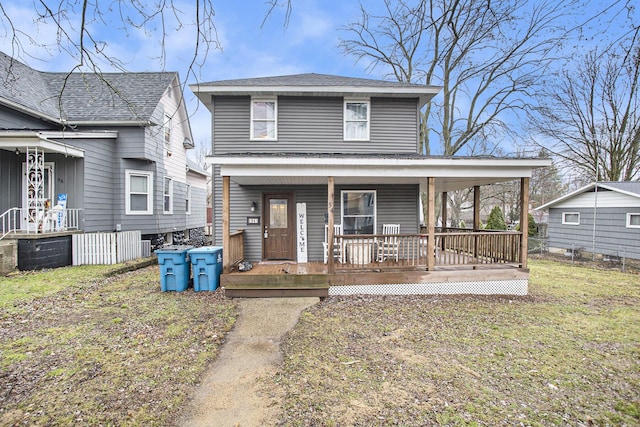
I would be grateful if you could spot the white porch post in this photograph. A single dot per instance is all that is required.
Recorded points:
(524, 221)
(226, 217)
(330, 222)
(35, 188)
(431, 224)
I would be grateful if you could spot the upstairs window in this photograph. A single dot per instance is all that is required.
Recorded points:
(633, 220)
(264, 119)
(168, 196)
(139, 191)
(571, 218)
(356, 120)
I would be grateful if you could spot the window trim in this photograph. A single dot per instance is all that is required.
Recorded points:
(347, 101)
(375, 207)
(252, 136)
(127, 192)
(564, 219)
(170, 195)
(629, 215)
(188, 200)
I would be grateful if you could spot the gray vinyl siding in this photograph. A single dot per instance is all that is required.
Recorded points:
(612, 235)
(10, 180)
(10, 119)
(315, 125)
(198, 216)
(94, 187)
(395, 204)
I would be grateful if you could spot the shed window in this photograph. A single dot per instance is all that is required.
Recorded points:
(356, 120)
(138, 190)
(633, 220)
(264, 119)
(358, 212)
(571, 218)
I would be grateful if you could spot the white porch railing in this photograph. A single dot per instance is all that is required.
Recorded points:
(10, 221)
(13, 221)
(106, 248)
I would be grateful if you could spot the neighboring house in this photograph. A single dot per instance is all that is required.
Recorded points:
(616, 209)
(309, 165)
(115, 144)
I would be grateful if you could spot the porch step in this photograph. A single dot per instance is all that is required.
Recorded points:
(258, 292)
(266, 285)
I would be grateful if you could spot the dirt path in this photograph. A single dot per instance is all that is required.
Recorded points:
(231, 393)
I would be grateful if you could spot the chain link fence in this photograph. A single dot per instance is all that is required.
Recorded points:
(612, 257)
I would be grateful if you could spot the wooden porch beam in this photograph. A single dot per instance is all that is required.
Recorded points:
(476, 208)
(524, 221)
(226, 217)
(330, 222)
(445, 201)
(431, 225)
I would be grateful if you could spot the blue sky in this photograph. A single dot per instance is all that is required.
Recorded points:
(248, 48)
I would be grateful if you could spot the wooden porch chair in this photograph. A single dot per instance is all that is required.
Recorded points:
(338, 244)
(388, 246)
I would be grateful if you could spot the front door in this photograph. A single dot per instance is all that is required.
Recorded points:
(279, 227)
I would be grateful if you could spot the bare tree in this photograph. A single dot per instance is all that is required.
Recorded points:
(487, 56)
(590, 117)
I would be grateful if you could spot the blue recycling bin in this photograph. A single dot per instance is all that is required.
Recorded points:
(175, 268)
(206, 265)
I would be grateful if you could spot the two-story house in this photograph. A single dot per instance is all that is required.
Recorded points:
(110, 148)
(317, 183)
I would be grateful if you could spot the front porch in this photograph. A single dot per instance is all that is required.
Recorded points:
(424, 259)
(465, 262)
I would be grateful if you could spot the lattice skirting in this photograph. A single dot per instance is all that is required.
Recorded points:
(487, 287)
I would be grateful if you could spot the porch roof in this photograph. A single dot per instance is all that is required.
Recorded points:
(451, 173)
(45, 141)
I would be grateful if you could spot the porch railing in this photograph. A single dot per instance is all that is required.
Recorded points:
(388, 252)
(12, 221)
(236, 248)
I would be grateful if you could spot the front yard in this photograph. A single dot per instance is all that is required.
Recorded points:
(567, 354)
(81, 347)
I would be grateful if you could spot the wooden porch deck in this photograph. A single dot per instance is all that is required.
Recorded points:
(278, 279)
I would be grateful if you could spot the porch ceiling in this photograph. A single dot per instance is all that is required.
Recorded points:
(450, 173)
(21, 141)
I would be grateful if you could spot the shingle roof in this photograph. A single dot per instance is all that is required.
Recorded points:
(628, 186)
(310, 79)
(85, 96)
(631, 188)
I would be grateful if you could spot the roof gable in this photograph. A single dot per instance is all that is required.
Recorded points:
(628, 188)
(86, 97)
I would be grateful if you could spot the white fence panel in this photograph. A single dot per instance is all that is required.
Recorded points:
(105, 248)
(128, 245)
